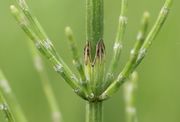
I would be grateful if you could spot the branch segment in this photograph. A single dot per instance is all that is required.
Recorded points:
(138, 52)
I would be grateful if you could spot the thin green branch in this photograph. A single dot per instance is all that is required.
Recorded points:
(129, 96)
(48, 50)
(75, 52)
(53, 104)
(4, 107)
(10, 98)
(138, 52)
(118, 44)
(36, 26)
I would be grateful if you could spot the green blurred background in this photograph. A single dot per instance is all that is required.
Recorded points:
(158, 97)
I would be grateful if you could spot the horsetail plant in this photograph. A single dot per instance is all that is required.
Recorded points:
(93, 83)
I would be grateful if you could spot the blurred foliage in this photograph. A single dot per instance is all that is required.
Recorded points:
(158, 95)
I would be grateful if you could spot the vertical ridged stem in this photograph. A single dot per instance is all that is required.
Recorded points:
(94, 112)
(11, 99)
(95, 23)
(94, 38)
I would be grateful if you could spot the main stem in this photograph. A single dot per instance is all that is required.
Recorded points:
(95, 23)
(94, 112)
(94, 33)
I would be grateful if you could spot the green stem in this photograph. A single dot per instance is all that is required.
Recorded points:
(95, 23)
(94, 112)
(75, 53)
(117, 45)
(94, 50)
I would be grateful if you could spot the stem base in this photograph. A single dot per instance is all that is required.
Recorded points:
(94, 112)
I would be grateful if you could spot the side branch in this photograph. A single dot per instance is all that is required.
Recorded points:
(75, 52)
(155, 30)
(35, 32)
(118, 44)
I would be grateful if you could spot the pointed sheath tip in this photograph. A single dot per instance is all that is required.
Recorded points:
(100, 50)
